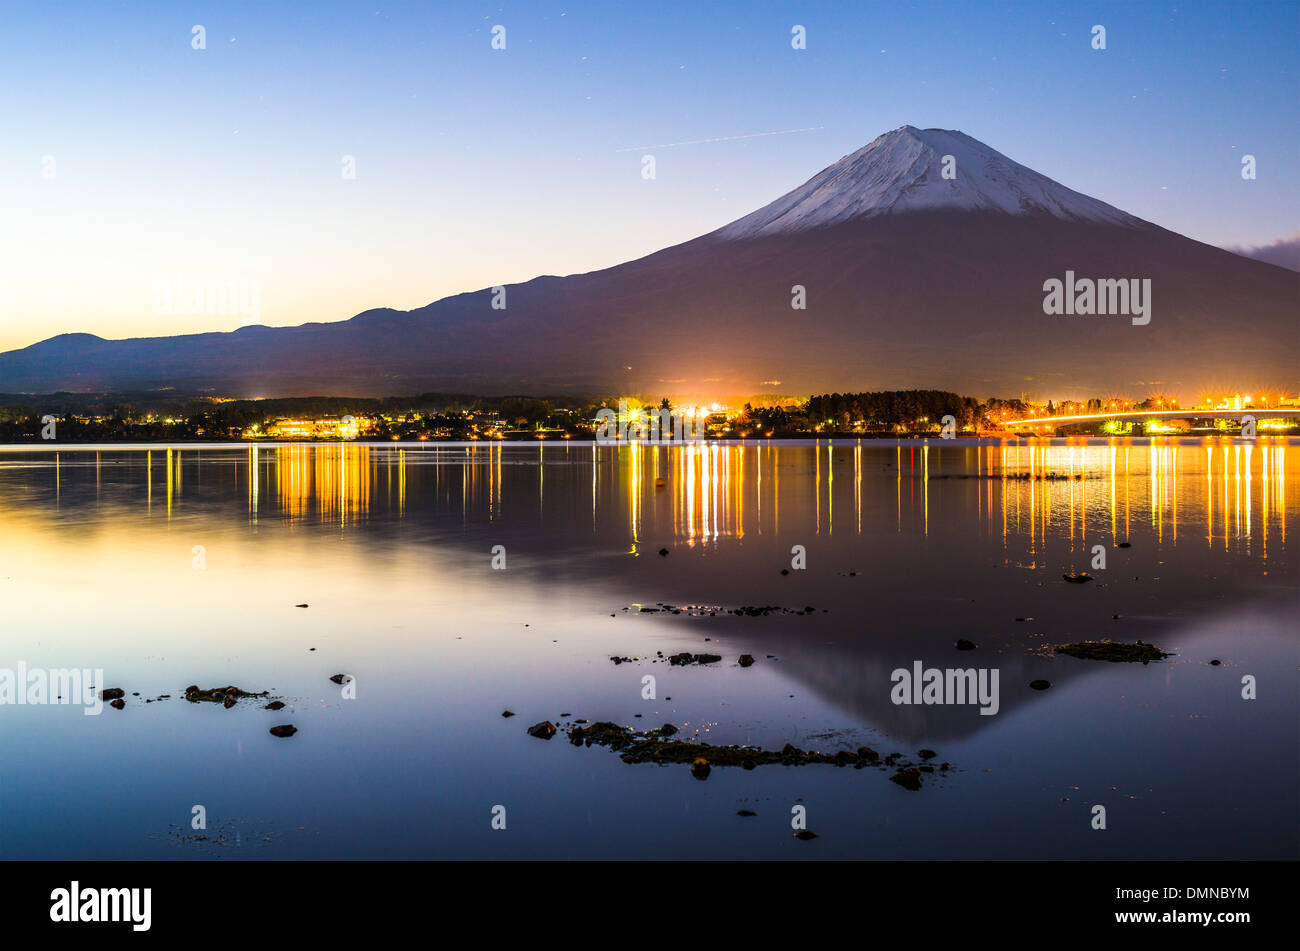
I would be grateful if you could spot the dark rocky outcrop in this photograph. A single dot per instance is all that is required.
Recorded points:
(1113, 651)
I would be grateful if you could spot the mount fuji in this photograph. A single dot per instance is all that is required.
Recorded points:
(922, 258)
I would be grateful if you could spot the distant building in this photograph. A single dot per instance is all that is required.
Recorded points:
(326, 427)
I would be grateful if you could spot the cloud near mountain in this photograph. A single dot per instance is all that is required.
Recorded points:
(1284, 252)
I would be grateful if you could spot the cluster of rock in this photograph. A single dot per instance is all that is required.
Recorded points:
(658, 746)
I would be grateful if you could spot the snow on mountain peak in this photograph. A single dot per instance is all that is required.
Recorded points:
(904, 171)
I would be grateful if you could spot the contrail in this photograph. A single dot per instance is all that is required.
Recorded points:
(724, 138)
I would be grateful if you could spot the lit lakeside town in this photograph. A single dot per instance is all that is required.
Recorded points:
(890, 414)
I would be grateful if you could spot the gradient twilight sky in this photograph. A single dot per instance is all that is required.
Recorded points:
(477, 167)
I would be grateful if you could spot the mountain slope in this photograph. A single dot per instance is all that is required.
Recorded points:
(911, 280)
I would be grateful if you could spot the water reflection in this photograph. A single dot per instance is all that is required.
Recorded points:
(910, 546)
(705, 495)
(1088, 493)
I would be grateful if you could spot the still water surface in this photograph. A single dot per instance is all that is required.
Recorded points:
(167, 567)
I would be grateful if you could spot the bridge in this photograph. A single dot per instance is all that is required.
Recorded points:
(1188, 413)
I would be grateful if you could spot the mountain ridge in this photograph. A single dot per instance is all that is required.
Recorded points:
(911, 279)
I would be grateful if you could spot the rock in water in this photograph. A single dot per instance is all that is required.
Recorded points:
(685, 658)
(700, 768)
(341, 678)
(1112, 651)
(1040, 684)
(1077, 577)
(965, 645)
(909, 778)
(286, 730)
(274, 705)
(543, 731)
(111, 693)
(218, 694)
(746, 660)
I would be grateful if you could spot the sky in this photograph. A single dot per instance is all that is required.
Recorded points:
(133, 164)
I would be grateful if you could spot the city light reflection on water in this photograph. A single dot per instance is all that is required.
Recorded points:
(1231, 490)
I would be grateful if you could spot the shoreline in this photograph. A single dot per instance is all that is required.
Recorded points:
(882, 442)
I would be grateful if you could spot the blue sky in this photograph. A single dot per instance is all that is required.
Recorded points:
(477, 167)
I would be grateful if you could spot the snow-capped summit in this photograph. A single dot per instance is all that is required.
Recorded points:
(902, 171)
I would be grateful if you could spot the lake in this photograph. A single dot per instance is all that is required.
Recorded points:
(456, 582)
